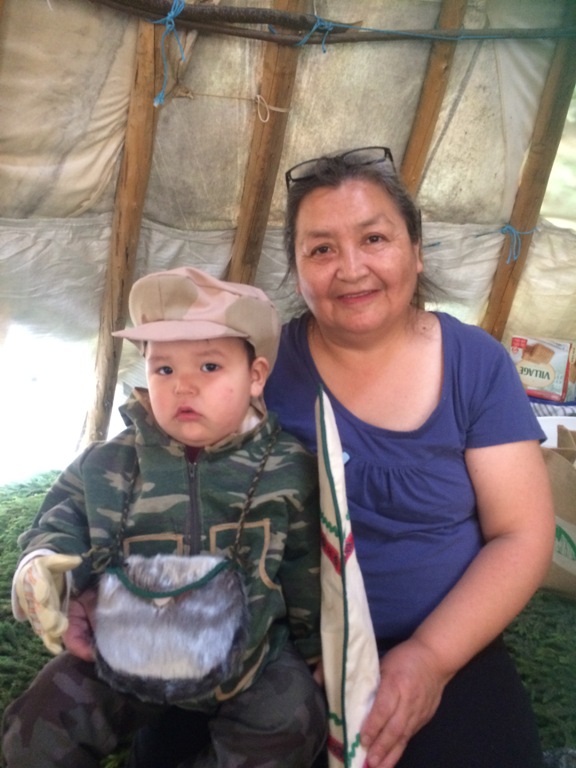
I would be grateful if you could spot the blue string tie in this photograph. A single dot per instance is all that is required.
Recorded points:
(320, 25)
(177, 8)
(515, 241)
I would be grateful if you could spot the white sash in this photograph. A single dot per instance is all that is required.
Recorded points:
(349, 652)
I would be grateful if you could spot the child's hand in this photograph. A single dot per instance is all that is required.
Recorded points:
(78, 638)
(39, 587)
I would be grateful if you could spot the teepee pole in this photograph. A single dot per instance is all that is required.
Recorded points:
(280, 66)
(451, 17)
(548, 127)
(129, 205)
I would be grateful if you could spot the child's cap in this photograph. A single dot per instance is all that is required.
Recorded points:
(186, 304)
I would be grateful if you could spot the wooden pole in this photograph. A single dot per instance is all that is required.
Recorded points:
(279, 74)
(548, 127)
(129, 205)
(431, 97)
(224, 20)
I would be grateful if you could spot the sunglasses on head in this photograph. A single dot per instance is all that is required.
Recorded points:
(353, 157)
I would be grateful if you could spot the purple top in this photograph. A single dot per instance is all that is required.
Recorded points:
(411, 503)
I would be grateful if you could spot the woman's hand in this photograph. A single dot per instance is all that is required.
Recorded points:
(517, 521)
(410, 689)
(318, 674)
(78, 638)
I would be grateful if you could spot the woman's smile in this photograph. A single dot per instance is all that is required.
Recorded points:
(358, 295)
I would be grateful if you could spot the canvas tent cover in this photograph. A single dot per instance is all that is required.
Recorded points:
(66, 73)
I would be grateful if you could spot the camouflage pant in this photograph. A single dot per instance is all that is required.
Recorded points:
(68, 718)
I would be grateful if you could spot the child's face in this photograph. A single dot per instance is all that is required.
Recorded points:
(200, 390)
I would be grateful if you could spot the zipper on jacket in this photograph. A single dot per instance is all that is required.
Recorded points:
(195, 523)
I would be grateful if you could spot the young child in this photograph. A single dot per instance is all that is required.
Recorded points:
(200, 472)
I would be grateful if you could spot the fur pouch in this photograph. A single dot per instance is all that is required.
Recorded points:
(170, 629)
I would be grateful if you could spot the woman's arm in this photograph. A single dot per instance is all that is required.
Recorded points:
(516, 515)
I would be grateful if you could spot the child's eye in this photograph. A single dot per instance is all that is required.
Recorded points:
(210, 367)
(164, 370)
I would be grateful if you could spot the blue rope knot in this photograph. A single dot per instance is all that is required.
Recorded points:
(169, 21)
(320, 25)
(515, 241)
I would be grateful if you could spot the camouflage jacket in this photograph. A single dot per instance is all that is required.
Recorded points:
(173, 506)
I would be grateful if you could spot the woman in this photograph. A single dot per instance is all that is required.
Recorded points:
(448, 494)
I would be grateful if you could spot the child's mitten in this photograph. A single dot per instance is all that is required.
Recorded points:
(39, 588)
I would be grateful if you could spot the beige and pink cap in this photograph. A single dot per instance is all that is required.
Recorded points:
(186, 304)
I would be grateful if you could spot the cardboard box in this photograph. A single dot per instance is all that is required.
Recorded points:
(547, 367)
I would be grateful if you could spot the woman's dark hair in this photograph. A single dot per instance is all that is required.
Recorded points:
(334, 171)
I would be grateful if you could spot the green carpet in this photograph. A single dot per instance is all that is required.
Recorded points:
(542, 639)
(21, 652)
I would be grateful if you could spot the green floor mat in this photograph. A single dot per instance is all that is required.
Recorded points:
(542, 639)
